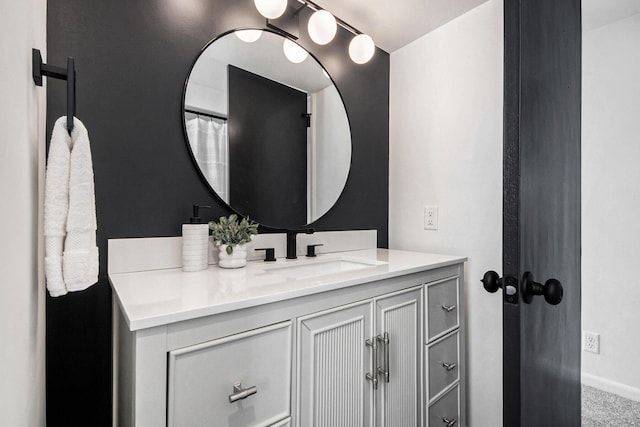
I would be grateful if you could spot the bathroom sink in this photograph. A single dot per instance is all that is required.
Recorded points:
(305, 269)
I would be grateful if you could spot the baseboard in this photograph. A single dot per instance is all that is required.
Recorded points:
(626, 391)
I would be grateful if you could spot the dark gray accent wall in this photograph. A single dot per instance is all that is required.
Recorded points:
(132, 58)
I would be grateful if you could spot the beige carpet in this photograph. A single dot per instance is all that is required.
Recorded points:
(600, 408)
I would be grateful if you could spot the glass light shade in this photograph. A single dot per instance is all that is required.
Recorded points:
(271, 9)
(248, 36)
(322, 27)
(361, 49)
(294, 52)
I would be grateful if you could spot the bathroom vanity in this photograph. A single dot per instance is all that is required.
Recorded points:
(363, 338)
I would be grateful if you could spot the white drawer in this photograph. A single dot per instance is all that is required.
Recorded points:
(442, 308)
(202, 377)
(443, 363)
(445, 412)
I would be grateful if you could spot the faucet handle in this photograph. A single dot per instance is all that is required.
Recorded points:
(311, 249)
(270, 254)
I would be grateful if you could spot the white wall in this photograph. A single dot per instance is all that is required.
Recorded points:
(22, 114)
(611, 200)
(446, 150)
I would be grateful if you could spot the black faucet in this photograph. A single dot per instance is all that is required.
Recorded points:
(291, 241)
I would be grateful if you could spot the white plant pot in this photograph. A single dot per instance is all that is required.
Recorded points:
(237, 259)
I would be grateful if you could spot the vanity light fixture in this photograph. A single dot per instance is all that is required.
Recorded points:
(271, 9)
(294, 52)
(361, 49)
(322, 27)
(248, 36)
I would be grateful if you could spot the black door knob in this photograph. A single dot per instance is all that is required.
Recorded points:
(492, 282)
(552, 289)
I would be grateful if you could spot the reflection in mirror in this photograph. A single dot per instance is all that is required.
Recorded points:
(267, 128)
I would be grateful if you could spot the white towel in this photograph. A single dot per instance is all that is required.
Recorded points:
(71, 254)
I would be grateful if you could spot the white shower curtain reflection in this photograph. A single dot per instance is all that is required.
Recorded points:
(208, 139)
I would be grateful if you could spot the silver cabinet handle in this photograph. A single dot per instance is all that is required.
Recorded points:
(384, 370)
(373, 375)
(450, 423)
(240, 393)
(449, 366)
(448, 308)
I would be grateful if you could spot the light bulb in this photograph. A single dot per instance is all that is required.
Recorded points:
(249, 36)
(361, 49)
(271, 9)
(322, 27)
(294, 52)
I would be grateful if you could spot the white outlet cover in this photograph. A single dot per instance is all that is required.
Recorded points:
(591, 342)
(430, 217)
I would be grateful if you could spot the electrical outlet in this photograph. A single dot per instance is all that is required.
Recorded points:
(430, 217)
(591, 342)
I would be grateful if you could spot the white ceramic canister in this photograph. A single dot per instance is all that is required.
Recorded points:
(195, 243)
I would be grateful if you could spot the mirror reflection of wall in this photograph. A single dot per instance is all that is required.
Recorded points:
(262, 186)
(329, 150)
(610, 209)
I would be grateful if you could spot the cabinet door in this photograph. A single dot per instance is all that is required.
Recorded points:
(399, 315)
(332, 362)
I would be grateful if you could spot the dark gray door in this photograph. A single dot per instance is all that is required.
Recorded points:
(542, 212)
(267, 150)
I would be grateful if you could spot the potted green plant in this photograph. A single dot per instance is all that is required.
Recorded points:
(230, 236)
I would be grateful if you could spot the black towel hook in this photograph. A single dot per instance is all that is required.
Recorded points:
(40, 69)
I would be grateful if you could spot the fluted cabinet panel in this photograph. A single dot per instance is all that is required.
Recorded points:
(333, 360)
(399, 315)
(338, 390)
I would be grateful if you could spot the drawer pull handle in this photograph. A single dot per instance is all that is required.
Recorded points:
(384, 370)
(240, 393)
(448, 308)
(450, 423)
(373, 375)
(449, 366)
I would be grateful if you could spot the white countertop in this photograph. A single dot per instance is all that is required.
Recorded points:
(159, 297)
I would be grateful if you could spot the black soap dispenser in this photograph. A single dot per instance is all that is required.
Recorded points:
(195, 242)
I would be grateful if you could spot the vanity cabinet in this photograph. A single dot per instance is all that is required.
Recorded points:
(352, 356)
(384, 353)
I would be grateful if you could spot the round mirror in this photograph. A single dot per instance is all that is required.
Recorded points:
(267, 128)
